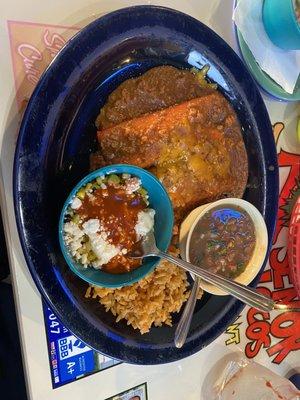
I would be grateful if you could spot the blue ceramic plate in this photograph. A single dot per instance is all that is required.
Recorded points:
(163, 227)
(58, 134)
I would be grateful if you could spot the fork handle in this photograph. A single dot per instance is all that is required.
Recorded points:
(244, 293)
(184, 324)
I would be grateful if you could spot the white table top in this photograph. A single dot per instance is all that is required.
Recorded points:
(189, 374)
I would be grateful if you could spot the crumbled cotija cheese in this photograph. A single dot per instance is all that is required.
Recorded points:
(145, 222)
(132, 185)
(103, 250)
(91, 239)
(73, 236)
(76, 203)
(91, 226)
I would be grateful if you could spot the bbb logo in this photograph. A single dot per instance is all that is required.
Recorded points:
(71, 346)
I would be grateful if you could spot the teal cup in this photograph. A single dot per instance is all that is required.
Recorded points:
(163, 227)
(281, 25)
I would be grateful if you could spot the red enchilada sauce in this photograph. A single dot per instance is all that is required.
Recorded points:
(223, 241)
(118, 213)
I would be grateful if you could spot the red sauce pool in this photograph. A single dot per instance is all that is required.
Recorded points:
(118, 213)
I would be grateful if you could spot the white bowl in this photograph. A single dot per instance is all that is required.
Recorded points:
(261, 245)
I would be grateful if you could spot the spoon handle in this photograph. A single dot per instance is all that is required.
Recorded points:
(183, 326)
(244, 293)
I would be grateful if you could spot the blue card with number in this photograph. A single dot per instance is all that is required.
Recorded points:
(69, 357)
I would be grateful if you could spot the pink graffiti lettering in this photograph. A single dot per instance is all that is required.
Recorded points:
(30, 55)
(54, 42)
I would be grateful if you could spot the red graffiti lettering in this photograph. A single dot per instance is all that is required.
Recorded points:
(280, 268)
(286, 326)
(284, 330)
(258, 331)
(291, 161)
(266, 276)
(287, 295)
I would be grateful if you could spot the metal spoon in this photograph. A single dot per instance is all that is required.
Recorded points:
(147, 248)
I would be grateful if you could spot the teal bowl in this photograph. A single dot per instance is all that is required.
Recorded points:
(163, 226)
(281, 24)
